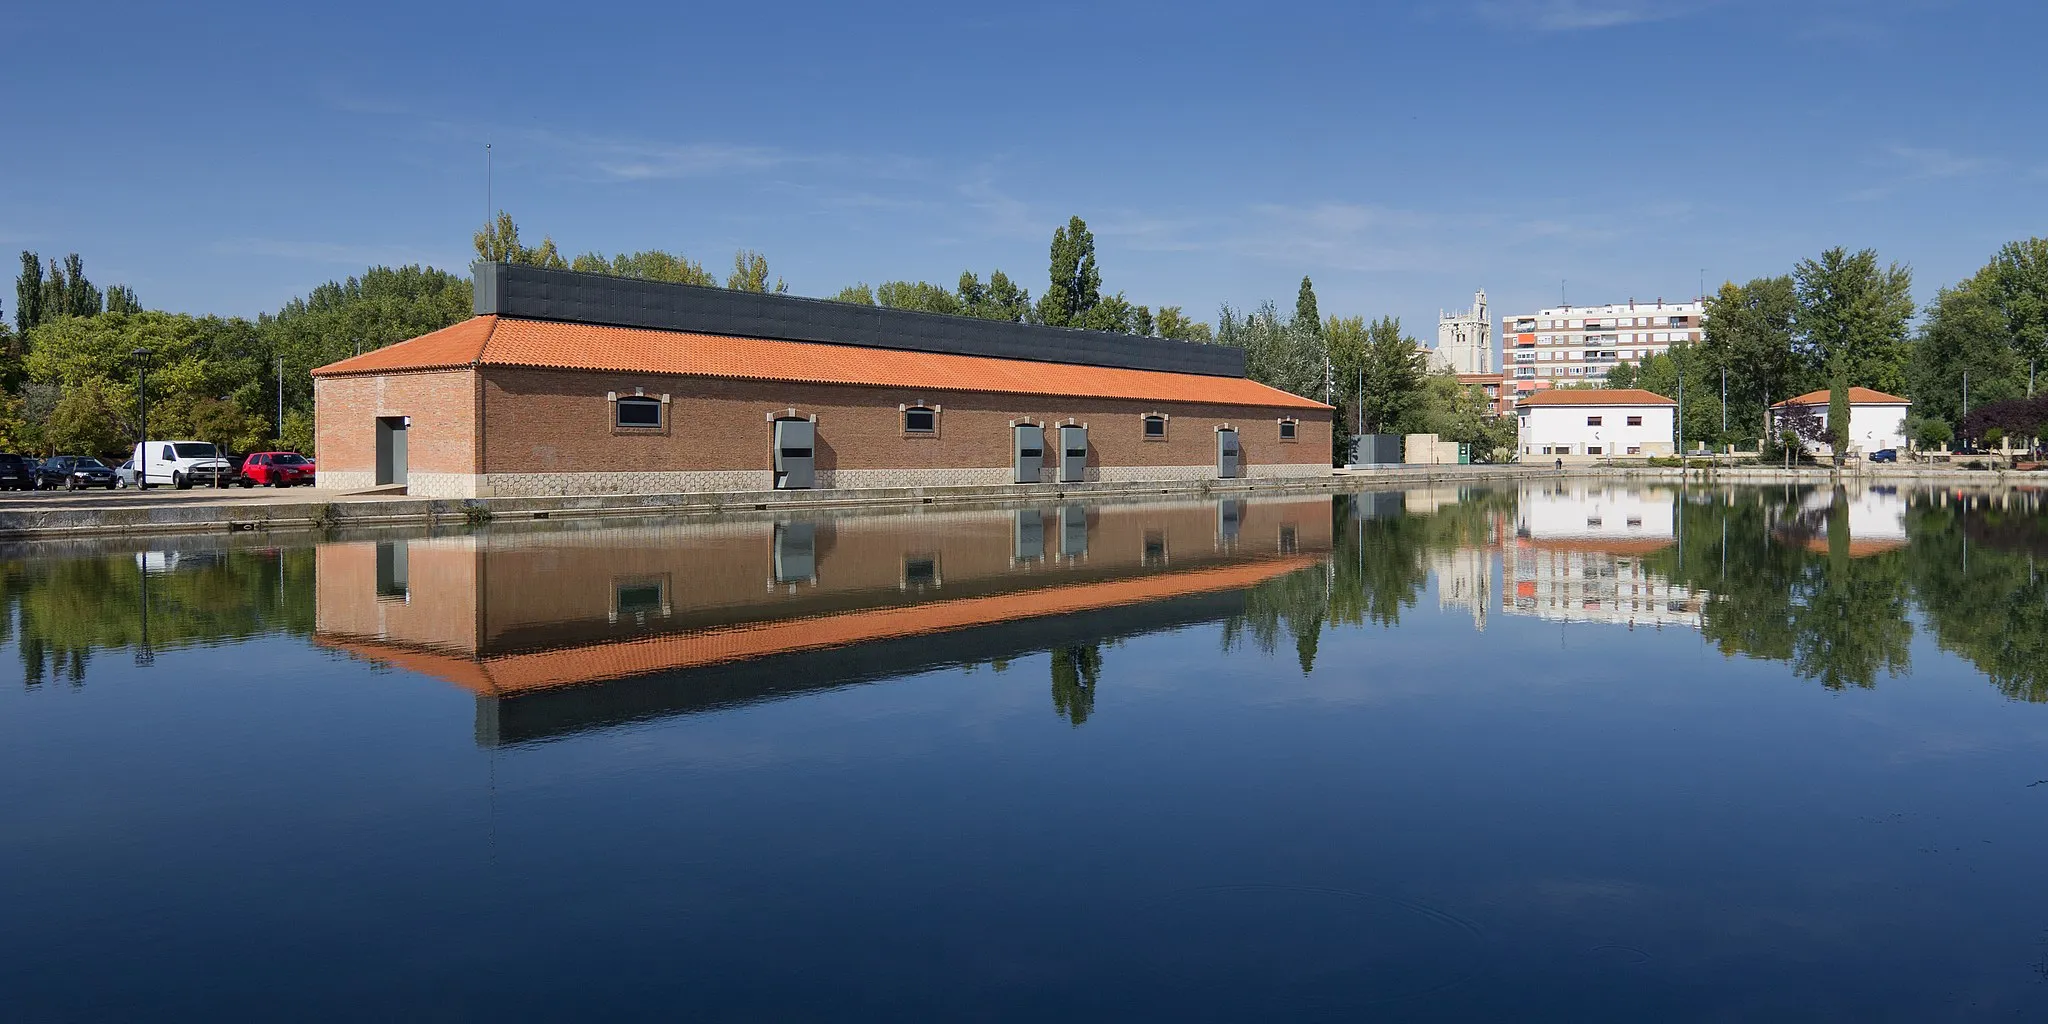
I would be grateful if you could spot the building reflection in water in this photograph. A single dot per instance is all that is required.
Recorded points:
(558, 630)
(1579, 554)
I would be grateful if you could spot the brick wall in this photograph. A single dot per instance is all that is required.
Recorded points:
(551, 431)
(440, 445)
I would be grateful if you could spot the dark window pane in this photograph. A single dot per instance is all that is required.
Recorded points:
(1155, 426)
(639, 412)
(922, 421)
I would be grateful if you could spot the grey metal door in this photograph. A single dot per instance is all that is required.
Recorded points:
(1028, 454)
(1073, 531)
(1229, 515)
(1073, 454)
(1226, 454)
(391, 456)
(795, 454)
(796, 552)
(1030, 535)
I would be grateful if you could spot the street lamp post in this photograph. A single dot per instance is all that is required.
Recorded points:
(142, 418)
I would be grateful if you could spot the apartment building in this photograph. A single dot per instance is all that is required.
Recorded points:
(1579, 344)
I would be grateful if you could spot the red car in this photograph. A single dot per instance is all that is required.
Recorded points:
(276, 469)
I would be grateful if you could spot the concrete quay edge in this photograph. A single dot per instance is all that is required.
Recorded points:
(229, 517)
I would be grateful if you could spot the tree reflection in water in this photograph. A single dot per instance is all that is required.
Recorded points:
(1075, 670)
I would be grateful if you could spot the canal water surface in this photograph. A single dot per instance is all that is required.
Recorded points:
(1564, 752)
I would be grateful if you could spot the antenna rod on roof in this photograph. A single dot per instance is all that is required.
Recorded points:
(487, 190)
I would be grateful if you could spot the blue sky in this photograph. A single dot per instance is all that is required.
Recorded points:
(226, 159)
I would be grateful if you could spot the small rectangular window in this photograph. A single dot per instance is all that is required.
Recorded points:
(1286, 430)
(1635, 421)
(1592, 421)
(1155, 426)
(1594, 449)
(637, 411)
(920, 421)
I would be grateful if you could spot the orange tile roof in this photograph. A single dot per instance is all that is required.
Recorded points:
(569, 666)
(447, 348)
(1857, 396)
(496, 341)
(1596, 396)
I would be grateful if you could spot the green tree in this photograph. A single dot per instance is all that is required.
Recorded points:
(999, 299)
(28, 294)
(647, 265)
(80, 298)
(750, 274)
(121, 299)
(1273, 352)
(1392, 372)
(1172, 323)
(1851, 320)
(1075, 288)
(1306, 319)
(340, 318)
(855, 294)
(89, 419)
(498, 242)
(920, 296)
(2019, 275)
(1749, 331)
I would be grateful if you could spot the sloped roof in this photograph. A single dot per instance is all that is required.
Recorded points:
(1595, 396)
(501, 341)
(1857, 396)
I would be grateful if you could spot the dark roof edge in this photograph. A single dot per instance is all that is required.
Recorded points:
(534, 293)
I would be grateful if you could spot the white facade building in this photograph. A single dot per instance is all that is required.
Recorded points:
(1580, 425)
(1876, 420)
(1579, 344)
(1464, 340)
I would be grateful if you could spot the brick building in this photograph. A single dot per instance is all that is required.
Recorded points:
(567, 383)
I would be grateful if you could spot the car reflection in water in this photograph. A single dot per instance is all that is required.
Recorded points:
(558, 631)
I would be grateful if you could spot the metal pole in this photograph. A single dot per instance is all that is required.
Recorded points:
(280, 401)
(142, 416)
(1724, 401)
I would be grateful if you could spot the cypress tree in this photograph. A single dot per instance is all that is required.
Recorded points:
(1838, 416)
(1306, 319)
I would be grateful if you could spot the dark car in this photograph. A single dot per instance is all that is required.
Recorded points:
(1885, 455)
(72, 472)
(17, 473)
(276, 469)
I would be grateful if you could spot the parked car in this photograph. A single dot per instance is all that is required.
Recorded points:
(17, 473)
(1885, 455)
(276, 469)
(124, 474)
(183, 463)
(72, 472)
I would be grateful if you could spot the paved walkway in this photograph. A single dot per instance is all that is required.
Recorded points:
(165, 497)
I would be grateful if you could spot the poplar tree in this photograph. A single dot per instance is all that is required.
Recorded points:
(1075, 288)
(28, 293)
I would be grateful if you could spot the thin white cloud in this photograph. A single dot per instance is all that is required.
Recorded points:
(1904, 166)
(1582, 15)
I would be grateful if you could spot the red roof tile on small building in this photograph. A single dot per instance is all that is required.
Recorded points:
(496, 341)
(1594, 396)
(1857, 396)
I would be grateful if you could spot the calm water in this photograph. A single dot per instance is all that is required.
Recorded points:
(1562, 753)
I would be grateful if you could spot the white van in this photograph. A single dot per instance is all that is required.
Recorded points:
(181, 464)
